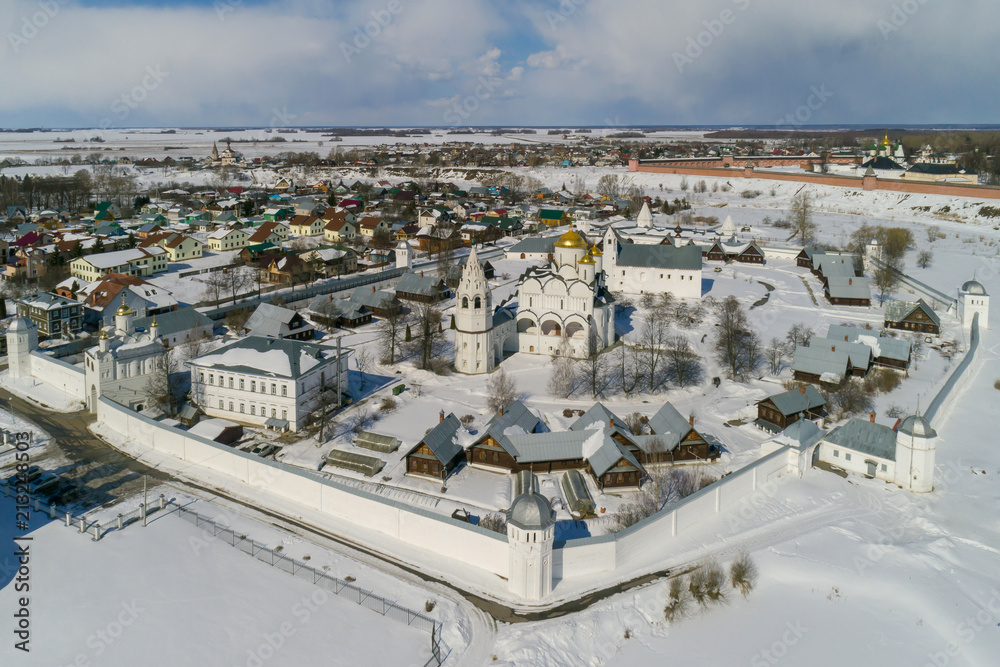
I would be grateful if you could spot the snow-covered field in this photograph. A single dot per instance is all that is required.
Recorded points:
(170, 594)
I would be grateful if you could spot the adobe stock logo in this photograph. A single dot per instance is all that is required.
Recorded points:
(820, 96)
(31, 25)
(698, 44)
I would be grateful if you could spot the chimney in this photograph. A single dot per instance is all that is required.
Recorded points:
(802, 389)
(421, 274)
(501, 411)
(691, 420)
(441, 416)
(871, 416)
(845, 339)
(833, 348)
(373, 289)
(611, 423)
(850, 281)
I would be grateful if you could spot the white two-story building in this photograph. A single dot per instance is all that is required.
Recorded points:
(268, 382)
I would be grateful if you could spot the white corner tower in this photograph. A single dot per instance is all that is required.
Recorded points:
(645, 218)
(916, 449)
(973, 300)
(22, 340)
(404, 255)
(530, 535)
(474, 342)
(873, 252)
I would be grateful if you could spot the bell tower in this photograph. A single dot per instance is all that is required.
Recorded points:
(474, 337)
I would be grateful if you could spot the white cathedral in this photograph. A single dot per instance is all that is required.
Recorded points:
(563, 309)
(121, 364)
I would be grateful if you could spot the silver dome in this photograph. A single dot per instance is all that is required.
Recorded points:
(918, 427)
(974, 287)
(531, 511)
(20, 324)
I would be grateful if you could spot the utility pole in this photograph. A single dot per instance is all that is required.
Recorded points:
(145, 507)
(340, 396)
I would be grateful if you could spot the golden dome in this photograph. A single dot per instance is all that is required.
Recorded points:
(104, 334)
(595, 252)
(124, 309)
(586, 259)
(571, 240)
(886, 142)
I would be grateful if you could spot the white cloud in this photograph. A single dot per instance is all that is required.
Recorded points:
(603, 59)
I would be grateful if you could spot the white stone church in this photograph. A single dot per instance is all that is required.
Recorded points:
(566, 307)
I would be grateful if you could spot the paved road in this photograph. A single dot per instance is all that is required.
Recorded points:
(96, 472)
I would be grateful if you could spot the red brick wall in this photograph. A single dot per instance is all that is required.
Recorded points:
(870, 183)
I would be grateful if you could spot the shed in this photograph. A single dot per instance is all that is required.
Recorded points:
(369, 466)
(377, 442)
(220, 430)
(575, 493)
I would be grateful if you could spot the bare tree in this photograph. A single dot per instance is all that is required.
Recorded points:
(501, 390)
(799, 336)
(729, 339)
(239, 279)
(164, 385)
(887, 276)
(803, 226)
(610, 185)
(390, 330)
(236, 320)
(215, 286)
(924, 258)
(594, 367)
(325, 406)
(775, 355)
(363, 361)
(562, 381)
(653, 339)
(428, 337)
(683, 365)
(629, 371)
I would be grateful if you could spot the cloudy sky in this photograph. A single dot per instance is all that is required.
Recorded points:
(132, 63)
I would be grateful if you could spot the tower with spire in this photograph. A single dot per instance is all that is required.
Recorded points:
(474, 335)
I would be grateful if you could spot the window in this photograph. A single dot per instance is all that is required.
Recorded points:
(230, 406)
(284, 390)
(836, 453)
(847, 457)
(274, 412)
(211, 378)
(230, 381)
(222, 406)
(274, 389)
(241, 407)
(284, 414)
(201, 378)
(241, 383)
(884, 468)
(253, 409)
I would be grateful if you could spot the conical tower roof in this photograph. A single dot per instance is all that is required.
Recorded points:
(473, 275)
(645, 218)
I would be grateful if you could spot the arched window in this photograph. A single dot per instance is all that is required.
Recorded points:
(478, 303)
(465, 302)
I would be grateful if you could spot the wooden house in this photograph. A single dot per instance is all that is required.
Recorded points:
(912, 316)
(778, 412)
(437, 454)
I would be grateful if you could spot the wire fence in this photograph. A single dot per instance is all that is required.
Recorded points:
(88, 524)
(361, 596)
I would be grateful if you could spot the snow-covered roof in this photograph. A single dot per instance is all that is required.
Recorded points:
(274, 357)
